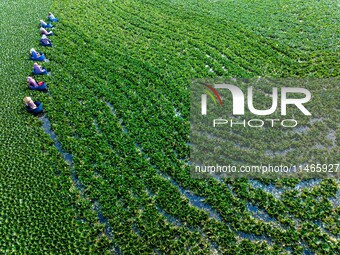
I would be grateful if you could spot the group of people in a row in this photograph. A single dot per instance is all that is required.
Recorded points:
(44, 41)
(31, 106)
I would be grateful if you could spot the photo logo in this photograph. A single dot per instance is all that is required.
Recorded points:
(239, 99)
(264, 127)
(208, 90)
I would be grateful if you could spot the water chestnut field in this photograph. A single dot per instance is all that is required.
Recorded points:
(106, 168)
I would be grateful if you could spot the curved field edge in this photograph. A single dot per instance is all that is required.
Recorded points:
(37, 203)
(119, 105)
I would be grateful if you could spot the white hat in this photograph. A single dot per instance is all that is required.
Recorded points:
(27, 99)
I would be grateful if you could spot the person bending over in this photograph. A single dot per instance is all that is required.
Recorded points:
(31, 82)
(51, 17)
(44, 41)
(34, 53)
(38, 69)
(45, 25)
(29, 103)
(43, 31)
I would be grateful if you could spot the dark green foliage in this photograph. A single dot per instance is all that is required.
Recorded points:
(119, 103)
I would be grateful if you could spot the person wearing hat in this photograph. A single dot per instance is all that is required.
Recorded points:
(29, 103)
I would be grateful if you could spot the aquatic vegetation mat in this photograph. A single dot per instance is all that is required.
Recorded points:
(119, 107)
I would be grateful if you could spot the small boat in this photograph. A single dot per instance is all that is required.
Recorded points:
(37, 110)
(47, 25)
(52, 19)
(40, 72)
(40, 58)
